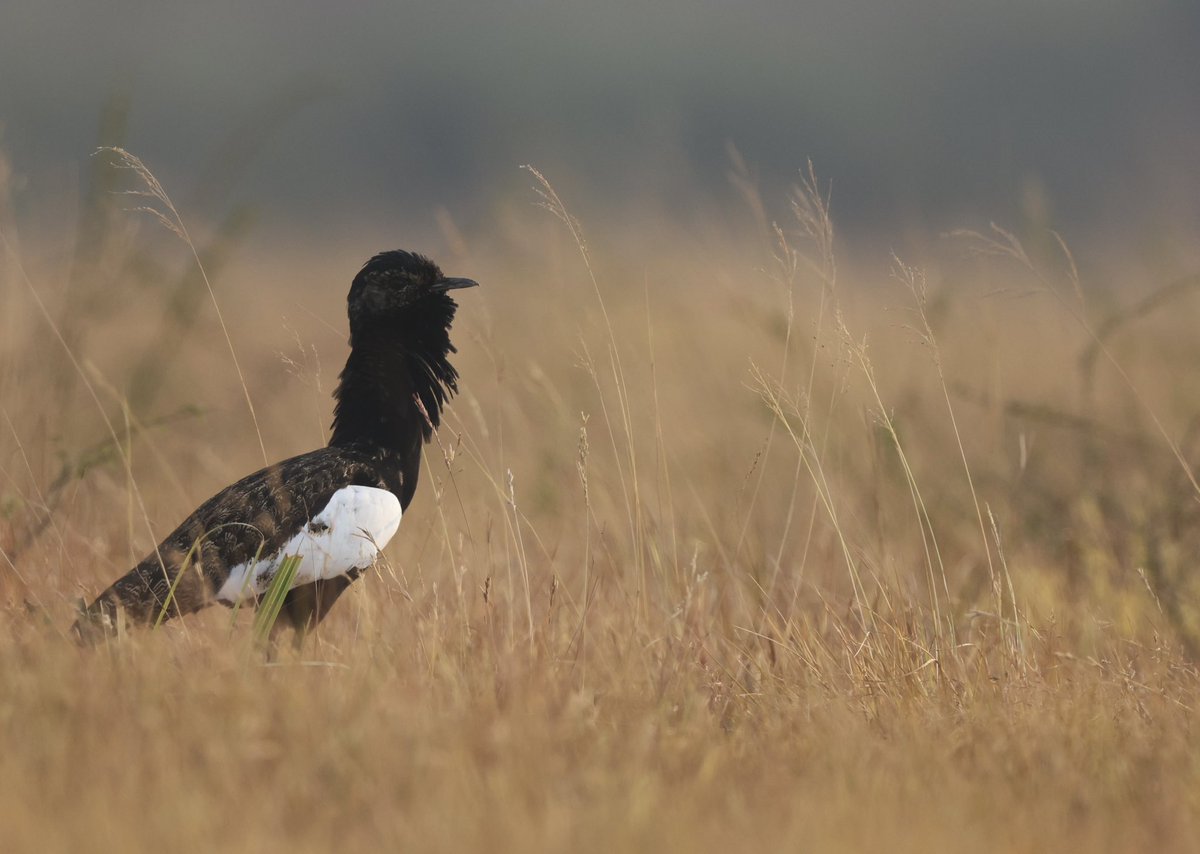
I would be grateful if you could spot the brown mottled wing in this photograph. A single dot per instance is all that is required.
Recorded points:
(253, 517)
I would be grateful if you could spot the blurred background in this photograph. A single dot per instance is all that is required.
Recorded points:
(735, 534)
(378, 118)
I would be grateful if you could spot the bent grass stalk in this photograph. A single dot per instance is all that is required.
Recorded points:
(554, 204)
(184, 566)
(173, 221)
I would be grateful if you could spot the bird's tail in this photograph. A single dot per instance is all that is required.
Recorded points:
(98, 621)
(146, 595)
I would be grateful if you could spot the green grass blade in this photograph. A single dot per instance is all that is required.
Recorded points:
(272, 601)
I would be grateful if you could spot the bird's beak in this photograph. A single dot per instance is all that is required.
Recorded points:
(449, 284)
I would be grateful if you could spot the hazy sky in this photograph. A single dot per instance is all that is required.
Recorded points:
(923, 112)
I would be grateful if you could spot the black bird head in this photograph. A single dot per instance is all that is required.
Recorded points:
(400, 289)
(398, 375)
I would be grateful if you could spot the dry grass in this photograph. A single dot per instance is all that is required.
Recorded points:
(728, 547)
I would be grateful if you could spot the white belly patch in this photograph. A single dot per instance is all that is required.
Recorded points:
(347, 534)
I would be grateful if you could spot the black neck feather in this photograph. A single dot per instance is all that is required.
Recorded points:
(395, 361)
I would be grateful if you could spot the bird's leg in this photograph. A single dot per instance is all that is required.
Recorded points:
(306, 606)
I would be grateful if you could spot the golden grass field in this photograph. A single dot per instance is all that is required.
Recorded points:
(730, 542)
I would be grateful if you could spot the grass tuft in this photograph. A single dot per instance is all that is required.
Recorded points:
(727, 544)
(271, 602)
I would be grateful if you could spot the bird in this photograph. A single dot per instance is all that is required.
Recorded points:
(330, 511)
